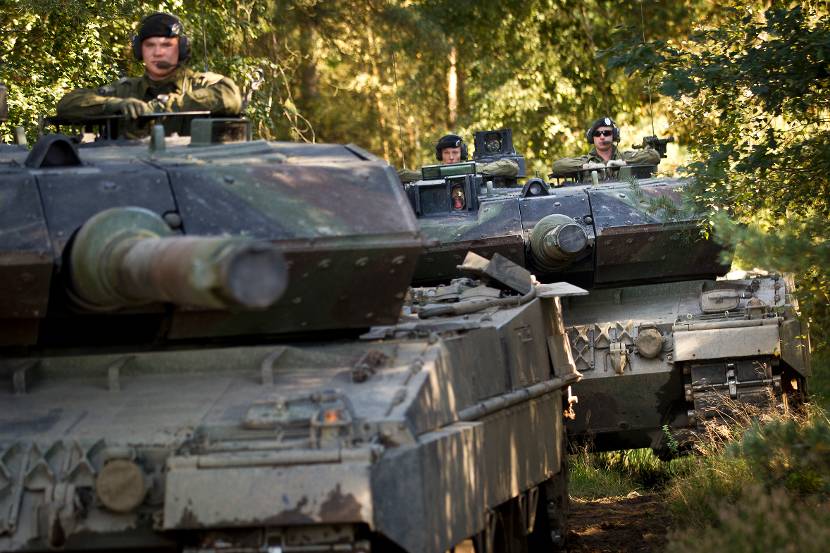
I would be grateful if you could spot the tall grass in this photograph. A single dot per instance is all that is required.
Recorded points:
(762, 484)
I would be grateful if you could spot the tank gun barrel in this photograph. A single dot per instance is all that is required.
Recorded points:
(128, 256)
(556, 240)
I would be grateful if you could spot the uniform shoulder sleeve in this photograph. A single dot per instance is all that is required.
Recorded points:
(500, 168)
(409, 175)
(209, 91)
(88, 102)
(567, 166)
(646, 156)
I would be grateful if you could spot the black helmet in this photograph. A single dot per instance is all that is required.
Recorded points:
(161, 24)
(451, 141)
(602, 122)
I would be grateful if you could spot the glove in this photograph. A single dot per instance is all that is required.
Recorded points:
(132, 108)
(156, 106)
(592, 165)
(616, 162)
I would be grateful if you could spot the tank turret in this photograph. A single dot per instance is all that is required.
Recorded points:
(614, 233)
(114, 244)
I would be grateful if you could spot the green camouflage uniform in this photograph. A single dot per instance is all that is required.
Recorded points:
(568, 166)
(498, 168)
(182, 90)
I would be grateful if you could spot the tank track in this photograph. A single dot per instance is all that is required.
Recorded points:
(728, 390)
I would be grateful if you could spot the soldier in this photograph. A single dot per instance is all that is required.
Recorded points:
(451, 148)
(167, 84)
(603, 135)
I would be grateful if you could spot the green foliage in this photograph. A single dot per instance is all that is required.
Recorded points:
(373, 73)
(617, 473)
(752, 97)
(757, 521)
(788, 454)
(769, 490)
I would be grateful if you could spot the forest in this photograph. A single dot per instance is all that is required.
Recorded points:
(742, 86)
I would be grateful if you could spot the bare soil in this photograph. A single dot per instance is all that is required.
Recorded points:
(636, 523)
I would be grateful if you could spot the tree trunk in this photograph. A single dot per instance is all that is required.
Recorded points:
(452, 88)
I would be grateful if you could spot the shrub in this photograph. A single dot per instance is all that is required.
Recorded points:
(766, 490)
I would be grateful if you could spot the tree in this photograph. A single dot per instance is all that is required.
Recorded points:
(390, 75)
(753, 98)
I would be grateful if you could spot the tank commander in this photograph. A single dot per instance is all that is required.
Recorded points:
(603, 135)
(451, 148)
(167, 85)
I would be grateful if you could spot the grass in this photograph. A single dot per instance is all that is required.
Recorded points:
(766, 488)
(760, 483)
(618, 473)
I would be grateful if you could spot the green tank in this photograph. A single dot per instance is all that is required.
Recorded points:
(211, 347)
(665, 340)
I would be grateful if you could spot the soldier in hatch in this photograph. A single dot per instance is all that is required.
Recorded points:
(603, 135)
(167, 84)
(451, 148)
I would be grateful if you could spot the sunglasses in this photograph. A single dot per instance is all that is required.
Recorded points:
(603, 133)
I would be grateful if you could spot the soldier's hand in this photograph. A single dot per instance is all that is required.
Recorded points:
(616, 162)
(132, 108)
(156, 106)
(592, 165)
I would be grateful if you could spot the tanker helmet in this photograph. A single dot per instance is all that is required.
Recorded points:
(164, 25)
(602, 122)
(451, 141)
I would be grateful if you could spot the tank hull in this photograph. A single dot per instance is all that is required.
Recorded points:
(239, 439)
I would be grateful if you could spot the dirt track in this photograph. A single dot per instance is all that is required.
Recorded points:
(637, 523)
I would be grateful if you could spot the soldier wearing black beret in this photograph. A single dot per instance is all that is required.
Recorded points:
(167, 84)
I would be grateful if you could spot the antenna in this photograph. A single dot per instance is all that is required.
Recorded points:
(648, 82)
(398, 108)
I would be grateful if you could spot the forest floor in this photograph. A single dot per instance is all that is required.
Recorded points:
(635, 523)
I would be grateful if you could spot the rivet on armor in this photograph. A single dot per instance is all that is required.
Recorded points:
(120, 486)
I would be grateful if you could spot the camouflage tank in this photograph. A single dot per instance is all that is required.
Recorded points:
(214, 347)
(663, 341)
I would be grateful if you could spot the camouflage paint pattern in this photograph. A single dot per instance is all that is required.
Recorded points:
(632, 235)
(341, 221)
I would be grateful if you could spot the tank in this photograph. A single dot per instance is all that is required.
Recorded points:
(214, 347)
(664, 340)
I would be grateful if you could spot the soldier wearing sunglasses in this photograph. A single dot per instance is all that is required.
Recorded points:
(603, 135)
